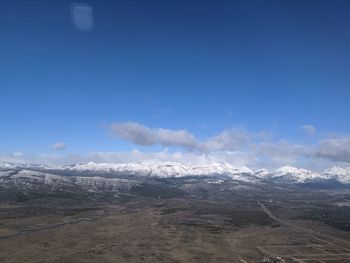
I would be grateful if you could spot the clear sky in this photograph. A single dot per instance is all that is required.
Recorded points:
(250, 82)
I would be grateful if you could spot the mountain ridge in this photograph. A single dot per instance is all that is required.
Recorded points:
(175, 169)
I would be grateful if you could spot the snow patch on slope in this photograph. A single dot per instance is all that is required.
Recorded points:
(292, 175)
(31, 180)
(342, 175)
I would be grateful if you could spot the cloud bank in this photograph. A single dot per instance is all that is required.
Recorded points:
(227, 140)
(237, 146)
(335, 149)
(142, 135)
(254, 149)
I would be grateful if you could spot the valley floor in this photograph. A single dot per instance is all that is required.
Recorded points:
(209, 223)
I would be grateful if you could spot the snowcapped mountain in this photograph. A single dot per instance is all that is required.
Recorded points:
(159, 169)
(293, 175)
(163, 169)
(342, 175)
(285, 174)
(261, 173)
(26, 180)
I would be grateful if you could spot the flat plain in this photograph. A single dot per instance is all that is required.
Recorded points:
(178, 220)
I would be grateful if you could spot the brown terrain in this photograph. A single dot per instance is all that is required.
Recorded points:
(179, 221)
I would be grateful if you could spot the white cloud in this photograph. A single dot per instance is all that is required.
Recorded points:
(237, 145)
(139, 134)
(142, 135)
(278, 153)
(227, 140)
(59, 146)
(268, 155)
(335, 149)
(309, 129)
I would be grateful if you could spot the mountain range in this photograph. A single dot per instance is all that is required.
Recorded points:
(108, 171)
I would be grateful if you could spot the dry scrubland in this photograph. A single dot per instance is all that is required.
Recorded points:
(177, 220)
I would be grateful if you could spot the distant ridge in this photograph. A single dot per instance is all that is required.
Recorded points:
(285, 174)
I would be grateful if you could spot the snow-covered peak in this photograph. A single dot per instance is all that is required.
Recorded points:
(138, 168)
(293, 174)
(163, 169)
(340, 174)
(261, 173)
(170, 169)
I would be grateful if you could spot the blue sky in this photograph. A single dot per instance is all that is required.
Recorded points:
(206, 67)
